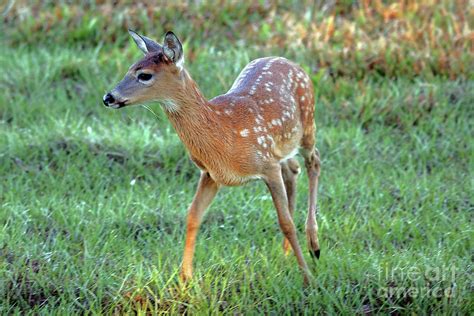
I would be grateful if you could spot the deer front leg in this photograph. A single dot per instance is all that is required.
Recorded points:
(206, 191)
(274, 181)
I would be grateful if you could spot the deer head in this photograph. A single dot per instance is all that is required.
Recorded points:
(156, 77)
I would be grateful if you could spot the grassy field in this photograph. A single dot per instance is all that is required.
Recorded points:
(93, 201)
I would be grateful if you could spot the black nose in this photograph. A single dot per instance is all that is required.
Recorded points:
(108, 99)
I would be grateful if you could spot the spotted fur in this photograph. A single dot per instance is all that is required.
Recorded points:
(251, 132)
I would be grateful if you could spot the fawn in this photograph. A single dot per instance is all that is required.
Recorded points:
(251, 132)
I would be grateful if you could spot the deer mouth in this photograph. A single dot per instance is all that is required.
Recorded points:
(118, 105)
(110, 101)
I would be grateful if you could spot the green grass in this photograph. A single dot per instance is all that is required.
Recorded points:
(93, 201)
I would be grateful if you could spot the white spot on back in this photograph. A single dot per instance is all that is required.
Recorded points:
(244, 133)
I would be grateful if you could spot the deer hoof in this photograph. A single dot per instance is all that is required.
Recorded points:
(315, 253)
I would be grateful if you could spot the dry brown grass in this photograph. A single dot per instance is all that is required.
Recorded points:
(349, 38)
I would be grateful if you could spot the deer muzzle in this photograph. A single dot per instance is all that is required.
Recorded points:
(112, 102)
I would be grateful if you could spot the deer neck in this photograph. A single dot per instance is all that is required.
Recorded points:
(195, 122)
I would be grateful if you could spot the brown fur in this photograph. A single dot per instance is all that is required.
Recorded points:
(250, 132)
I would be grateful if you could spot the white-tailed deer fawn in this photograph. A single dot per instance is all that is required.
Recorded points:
(251, 132)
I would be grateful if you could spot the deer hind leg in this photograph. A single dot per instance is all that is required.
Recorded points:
(313, 165)
(274, 181)
(290, 170)
(206, 191)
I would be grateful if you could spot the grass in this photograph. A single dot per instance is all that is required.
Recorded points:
(93, 201)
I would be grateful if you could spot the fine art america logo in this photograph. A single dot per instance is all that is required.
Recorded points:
(415, 282)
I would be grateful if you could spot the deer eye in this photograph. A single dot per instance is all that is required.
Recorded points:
(144, 77)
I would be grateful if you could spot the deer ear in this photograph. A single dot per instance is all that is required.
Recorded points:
(146, 45)
(173, 49)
